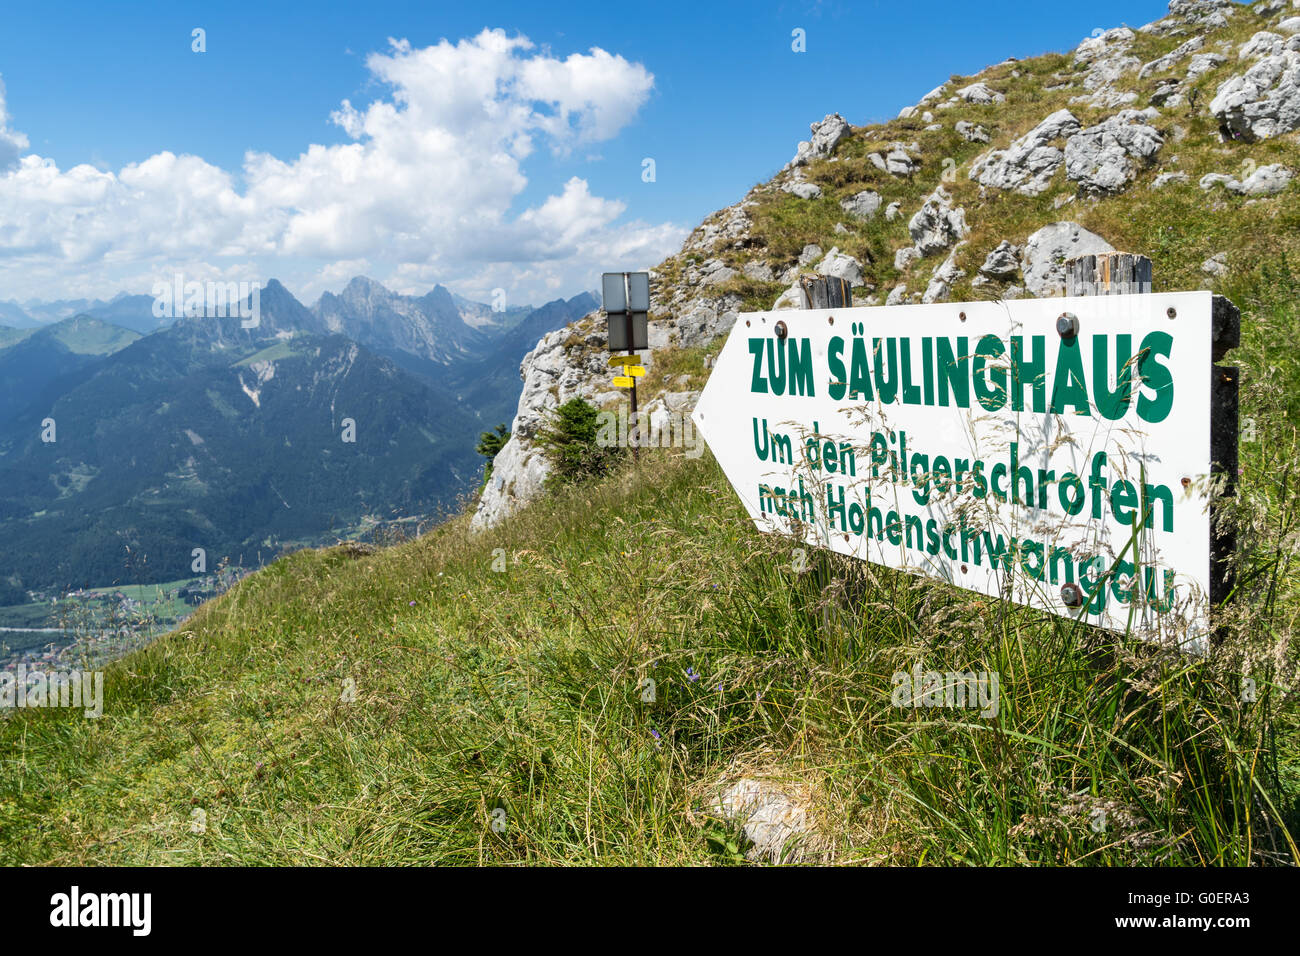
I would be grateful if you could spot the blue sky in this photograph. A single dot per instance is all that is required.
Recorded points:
(110, 86)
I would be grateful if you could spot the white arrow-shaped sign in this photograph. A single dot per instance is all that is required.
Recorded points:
(1053, 452)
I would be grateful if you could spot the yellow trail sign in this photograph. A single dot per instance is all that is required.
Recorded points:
(624, 381)
(624, 359)
(636, 371)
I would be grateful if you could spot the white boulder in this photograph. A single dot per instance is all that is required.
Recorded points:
(841, 266)
(980, 94)
(937, 225)
(1028, 164)
(971, 132)
(1264, 101)
(825, 136)
(803, 190)
(1003, 262)
(863, 205)
(943, 278)
(1105, 158)
(1042, 260)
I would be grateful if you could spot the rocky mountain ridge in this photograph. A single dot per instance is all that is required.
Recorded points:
(120, 453)
(362, 303)
(1177, 140)
(433, 326)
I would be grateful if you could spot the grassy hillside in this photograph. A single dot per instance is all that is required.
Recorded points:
(86, 335)
(377, 709)
(1179, 226)
(8, 336)
(342, 707)
(37, 364)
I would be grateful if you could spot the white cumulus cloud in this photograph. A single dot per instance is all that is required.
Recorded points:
(427, 187)
(12, 143)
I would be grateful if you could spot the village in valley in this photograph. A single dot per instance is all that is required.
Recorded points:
(102, 624)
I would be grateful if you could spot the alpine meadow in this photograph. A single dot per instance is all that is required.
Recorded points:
(511, 622)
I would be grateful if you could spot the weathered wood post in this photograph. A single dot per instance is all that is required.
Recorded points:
(1120, 273)
(1109, 273)
(825, 292)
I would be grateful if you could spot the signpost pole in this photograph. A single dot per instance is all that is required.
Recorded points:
(825, 292)
(1109, 273)
(626, 301)
(635, 427)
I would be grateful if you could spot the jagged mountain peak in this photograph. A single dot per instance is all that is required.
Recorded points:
(363, 289)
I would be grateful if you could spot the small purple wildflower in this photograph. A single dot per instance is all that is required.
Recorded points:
(690, 673)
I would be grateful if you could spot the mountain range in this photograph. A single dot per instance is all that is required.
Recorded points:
(123, 447)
